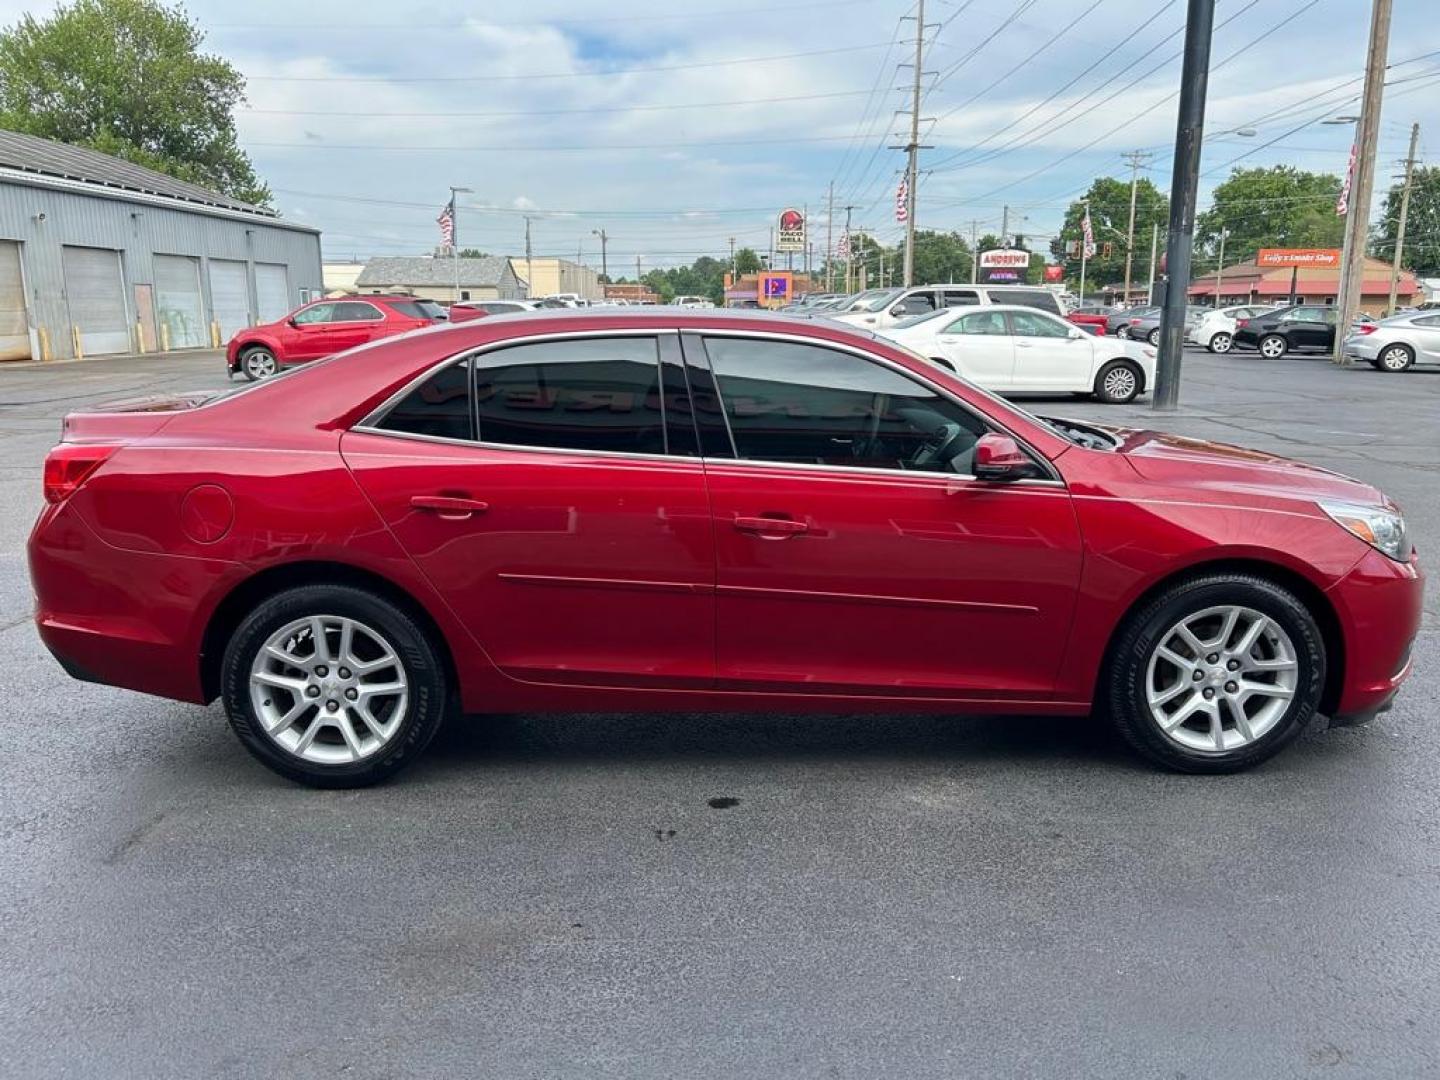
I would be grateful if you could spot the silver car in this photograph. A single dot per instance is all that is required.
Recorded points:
(1397, 343)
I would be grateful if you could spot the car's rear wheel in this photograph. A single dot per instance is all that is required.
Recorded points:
(1273, 346)
(1221, 342)
(332, 686)
(1123, 332)
(1154, 337)
(1118, 382)
(258, 362)
(1216, 673)
(1395, 358)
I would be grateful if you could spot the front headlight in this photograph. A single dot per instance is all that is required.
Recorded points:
(1381, 528)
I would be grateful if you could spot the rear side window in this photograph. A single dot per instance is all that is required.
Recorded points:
(593, 394)
(410, 309)
(440, 406)
(356, 312)
(1428, 320)
(1036, 298)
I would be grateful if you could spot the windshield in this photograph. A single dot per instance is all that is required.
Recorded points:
(879, 299)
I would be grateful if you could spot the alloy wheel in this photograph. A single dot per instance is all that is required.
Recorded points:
(1119, 383)
(329, 689)
(1272, 348)
(1221, 679)
(260, 363)
(1221, 343)
(1154, 337)
(1123, 332)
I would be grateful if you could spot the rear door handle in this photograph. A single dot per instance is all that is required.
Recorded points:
(449, 506)
(770, 527)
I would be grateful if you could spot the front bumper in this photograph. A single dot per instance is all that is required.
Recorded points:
(1379, 604)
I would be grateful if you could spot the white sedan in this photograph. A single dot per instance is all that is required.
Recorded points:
(1215, 329)
(1007, 348)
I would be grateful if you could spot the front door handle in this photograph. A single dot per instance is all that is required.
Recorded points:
(771, 528)
(449, 506)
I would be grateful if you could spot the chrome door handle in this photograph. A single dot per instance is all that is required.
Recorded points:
(771, 528)
(449, 506)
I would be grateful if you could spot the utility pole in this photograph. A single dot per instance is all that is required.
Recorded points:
(830, 242)
(1184, 187)
(1137, 159)
(732, 259)
(1220, 265)
(637, 269)
(1154, 254)
(1357, 217)
(604, 261)
(974, 254)
(529, 265)
(1084, 252)
(1404, 214)
(1005, 227)
(849, 251)
(912, 148)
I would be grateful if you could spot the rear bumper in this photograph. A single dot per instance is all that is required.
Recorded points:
(123, 618)
(1379, 603)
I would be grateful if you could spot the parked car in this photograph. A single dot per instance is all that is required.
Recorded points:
(1215, 328)
(888, 306)
(478, 309)
(1094, 319)
(1146, 327)
(1398, 343)
(1011, 348)
(693, 302)
(1118, 321)
(499, 516)
(1287, 329)
(323, 328)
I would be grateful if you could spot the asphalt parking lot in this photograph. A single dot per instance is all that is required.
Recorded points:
(743, 896)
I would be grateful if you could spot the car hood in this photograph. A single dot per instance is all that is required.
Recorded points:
(1214, 466)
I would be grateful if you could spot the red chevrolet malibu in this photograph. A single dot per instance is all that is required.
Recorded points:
(687, 510)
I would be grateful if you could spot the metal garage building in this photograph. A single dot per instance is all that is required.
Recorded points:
(101, 256)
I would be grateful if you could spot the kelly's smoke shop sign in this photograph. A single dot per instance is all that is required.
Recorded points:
(1004, 264)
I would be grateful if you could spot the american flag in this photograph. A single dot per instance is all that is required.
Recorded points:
(842, 249)
(446, 221)
(1088, 233)
(1342, 204)
(902, 201)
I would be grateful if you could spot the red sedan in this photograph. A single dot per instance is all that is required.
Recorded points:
(686, 510)
(323, 328)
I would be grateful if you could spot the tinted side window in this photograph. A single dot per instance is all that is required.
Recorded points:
(1036, 298)
(319, 313)
(439, 406)
(410, 309)
(804, 404)
(918, 303)
(960, 298)
(1428, 320)
(593, 394)
(355, 312)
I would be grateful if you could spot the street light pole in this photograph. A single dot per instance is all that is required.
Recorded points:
(1220, 266)
(604, 264)
(455, 233)
(1184, 185)
(1399, 252)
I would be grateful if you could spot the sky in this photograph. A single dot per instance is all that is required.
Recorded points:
(675, 127)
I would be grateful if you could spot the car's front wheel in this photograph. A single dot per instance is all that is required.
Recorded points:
(1394, 358)
(1154, 337)
(1215, 674)
(333, 686)
(1273, 346)
(1118, 382)
(258, 362)
(1221, 342)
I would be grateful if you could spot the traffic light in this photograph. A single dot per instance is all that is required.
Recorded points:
(1107, 249)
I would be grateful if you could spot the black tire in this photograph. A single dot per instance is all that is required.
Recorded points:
(1123, 332)
(1118, 391)
(1221, 343)
(1123, 690)
(258, 362)
(1278, 346)
(1154, 337)
(1395, 358)
(418, 656)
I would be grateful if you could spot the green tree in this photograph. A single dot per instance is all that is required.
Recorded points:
(473, 253)
(746, 261)
(940, 257)
(1109, 200)
(1281, 206)
(127, 77)
(1422, 226)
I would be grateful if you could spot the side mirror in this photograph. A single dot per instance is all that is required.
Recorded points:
(898, 309)
(997, 457)
(291, 322)
(1076, 333)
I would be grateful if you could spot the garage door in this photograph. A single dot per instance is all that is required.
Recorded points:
(229, 296)
(14, 327)
(272, 292)
(177, 301)
(95, 298)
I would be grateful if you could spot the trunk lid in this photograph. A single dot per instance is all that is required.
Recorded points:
(133, 418)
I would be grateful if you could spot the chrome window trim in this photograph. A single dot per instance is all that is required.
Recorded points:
(369, 423)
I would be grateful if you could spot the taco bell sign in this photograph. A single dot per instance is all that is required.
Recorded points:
(790, 230)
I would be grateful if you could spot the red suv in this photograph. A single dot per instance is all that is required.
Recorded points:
(323, 328)
(681, 510)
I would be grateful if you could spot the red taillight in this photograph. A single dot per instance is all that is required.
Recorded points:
(69, 466)
(1366, 328)
(1241, 322)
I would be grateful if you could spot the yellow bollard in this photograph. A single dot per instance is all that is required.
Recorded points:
(139, 337)
(214, 333)
(78, 342)
(44, 335)
(164, 337)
